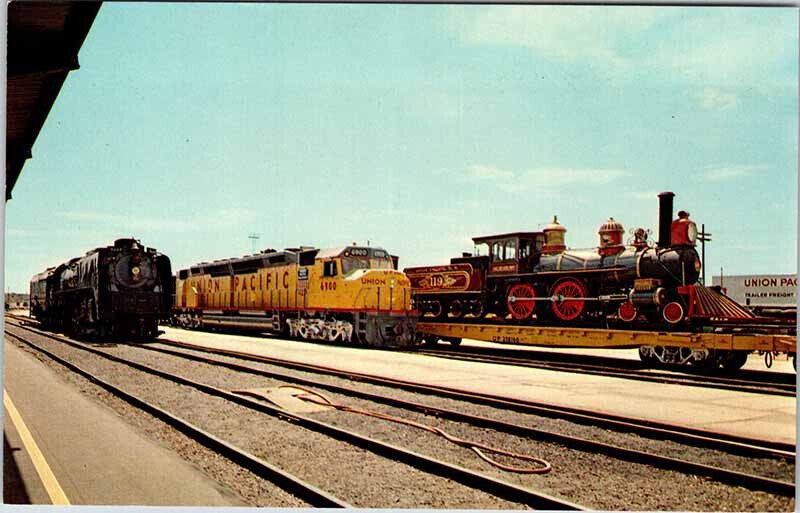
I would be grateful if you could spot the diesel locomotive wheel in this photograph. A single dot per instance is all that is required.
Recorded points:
(520, 301)
(568, 304)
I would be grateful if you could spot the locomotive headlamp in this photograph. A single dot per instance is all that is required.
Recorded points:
(691, 232)
(135, 271)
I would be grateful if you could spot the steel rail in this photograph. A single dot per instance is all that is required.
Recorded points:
(618, 372)
(497, 487)
(722, 475)
(288, 482)
(530, 353)
(659, 430)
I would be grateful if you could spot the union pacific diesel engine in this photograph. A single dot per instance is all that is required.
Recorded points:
(350, 294)
(531, 277)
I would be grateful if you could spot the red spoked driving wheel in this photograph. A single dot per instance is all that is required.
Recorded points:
(627, 311)
(520, 301)
(673, 312)
(568, 304)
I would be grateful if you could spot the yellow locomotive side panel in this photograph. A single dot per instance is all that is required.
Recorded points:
(281, 288)
(348, 293)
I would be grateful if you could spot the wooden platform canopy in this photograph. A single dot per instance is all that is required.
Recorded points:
(43, 43)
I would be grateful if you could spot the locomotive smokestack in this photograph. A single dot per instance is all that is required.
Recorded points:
(665, 219)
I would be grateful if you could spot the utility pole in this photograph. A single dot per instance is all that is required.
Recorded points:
(703, 237)
(253, 238)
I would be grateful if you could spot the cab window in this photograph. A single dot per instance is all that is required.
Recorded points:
(352, 263)
(524, 249)
(539, 243)
(329, 268)
(497, 251)
(511, 250)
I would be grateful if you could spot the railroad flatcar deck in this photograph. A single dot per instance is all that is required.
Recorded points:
(609, 338)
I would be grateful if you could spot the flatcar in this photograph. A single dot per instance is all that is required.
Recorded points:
(351, 294)
(116, 290)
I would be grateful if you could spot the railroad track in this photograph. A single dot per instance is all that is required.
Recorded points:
(657, 430)
(315, 496)
(577, 443)
(682, 434)
(765, 383)
(735, 445)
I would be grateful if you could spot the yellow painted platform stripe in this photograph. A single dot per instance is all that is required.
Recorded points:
(54, 490)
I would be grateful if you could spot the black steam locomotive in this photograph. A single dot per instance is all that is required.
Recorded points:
(117, 290)
(533, 277)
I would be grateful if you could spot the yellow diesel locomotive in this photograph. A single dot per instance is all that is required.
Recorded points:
(350, 294)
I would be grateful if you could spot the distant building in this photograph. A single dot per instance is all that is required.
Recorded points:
(14, 300)
(762, 293)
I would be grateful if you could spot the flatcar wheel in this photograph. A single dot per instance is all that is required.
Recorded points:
(568, 304)
(735, 360)
(520, 301)
(430, 340)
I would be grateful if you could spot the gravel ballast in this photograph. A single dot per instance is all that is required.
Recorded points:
(367, 480)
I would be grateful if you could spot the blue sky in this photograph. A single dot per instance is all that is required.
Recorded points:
(414, 127)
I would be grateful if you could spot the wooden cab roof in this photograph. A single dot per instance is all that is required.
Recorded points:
(486, 239)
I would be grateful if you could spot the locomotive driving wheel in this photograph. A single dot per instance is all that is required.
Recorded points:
(520, 301)
(568, 303)
(457, 309)
(436, 309)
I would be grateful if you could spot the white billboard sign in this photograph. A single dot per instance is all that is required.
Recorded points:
(760, 290)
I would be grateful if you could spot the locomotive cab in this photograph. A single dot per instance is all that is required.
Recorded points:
(354, 258)
(512, 253)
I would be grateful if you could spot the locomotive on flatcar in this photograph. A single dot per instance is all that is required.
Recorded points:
(116, 290)
(349, 294)
(533, 277)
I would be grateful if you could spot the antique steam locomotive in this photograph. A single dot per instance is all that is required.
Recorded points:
(117, 290)
(533, 277)
(351, 294)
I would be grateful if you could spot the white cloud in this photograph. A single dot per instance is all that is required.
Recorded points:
(21, 232)
(715, 99)
(489, 172)
(222, 218)
(732, 47)
(736, 47)
(723, 173)
(545, 178)
(552, 178)
(642, 195)
(566, 33)
(436, 104)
